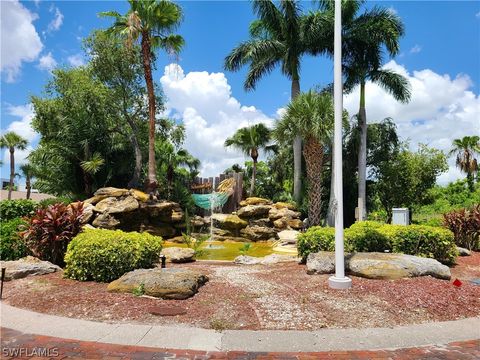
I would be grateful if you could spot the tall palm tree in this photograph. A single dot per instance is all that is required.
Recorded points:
(277, 39)
(12, 141)
(465, 149)
(310, 115)
(250, 140)
(28, 172)
(150, 22)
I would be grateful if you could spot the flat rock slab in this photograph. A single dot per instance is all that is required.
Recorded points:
(267, 260)
(27, 266)
(379, 265)
(179, 255)
(463, 251)
(170, 283)
(167, 310)
(288, 236)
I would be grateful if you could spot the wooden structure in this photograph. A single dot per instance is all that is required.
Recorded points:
(207, 185)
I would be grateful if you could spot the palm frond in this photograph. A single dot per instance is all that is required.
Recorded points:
(397, 85)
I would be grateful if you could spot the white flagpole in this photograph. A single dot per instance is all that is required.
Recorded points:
(339, 281)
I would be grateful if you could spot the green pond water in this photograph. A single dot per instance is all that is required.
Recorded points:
(228, 250)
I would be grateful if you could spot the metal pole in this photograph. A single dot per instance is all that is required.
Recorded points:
(2, 280)
(339, 281)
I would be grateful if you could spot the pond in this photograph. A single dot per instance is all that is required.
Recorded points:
(229, 250)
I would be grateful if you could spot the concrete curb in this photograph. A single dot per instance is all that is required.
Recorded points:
(191, 338)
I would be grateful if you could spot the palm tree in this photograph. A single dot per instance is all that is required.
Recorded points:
(28, 172)
(150, 22)
(250, 140)
(311, 116)
(12, 141)
(465, 149)
(277, 38)
(363, 63)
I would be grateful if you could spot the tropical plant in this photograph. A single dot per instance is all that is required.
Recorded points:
(50, 229)
(465, 149)
(310, 115)
(465, 225)
(245, 248)
(277, 38)
(250, 140)
(27, 171)
(150, 22)
(12, 141)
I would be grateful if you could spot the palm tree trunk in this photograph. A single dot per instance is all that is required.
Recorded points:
(313, 152)
(28, 185)
(297, 153)
(134, 181)
(254, 176)
(362, 157)
(12, 171)
(331, 201)
(146, 55)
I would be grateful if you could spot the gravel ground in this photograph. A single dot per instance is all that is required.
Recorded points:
(257, 297)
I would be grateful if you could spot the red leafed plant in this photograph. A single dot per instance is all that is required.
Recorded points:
(465, 225)
(50, 229)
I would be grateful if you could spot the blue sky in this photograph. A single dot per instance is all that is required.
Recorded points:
(440, 54)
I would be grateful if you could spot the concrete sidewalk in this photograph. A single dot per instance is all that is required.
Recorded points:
(182, 337)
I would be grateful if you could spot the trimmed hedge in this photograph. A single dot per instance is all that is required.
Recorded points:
(12, 246)
(369, 236)
(11, 209)
(105, 255)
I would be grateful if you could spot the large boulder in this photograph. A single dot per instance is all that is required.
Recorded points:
(171, 283)
(139, 195)
(164, 230)
(255, 201)
(179, 255)
(256, 233)
(284, 205)
(253, 211)
(111, 192)
(228, 222)
(463, 251)
(87, 213)
(296, 224)
(288, 236)
(27, 266)
(285, 213)
(161, 208)
(105, 221)
(378, 265)
(113, 205)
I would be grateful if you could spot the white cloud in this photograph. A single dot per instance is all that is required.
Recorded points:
(441, 109)
(19, 39)
(393, 10)
(416, 49)
(205, 104)
(477, 15)
(57, 20)
(76, 60)
(23, 128)
(47, 62)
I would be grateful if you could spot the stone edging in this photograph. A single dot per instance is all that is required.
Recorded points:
(183, 337)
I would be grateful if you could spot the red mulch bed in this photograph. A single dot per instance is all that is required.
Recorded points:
(279, 296)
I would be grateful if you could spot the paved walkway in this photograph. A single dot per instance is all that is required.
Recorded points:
(88, 339)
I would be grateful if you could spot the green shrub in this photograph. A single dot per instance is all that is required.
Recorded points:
(50, 229)
(12, 246)
(420, 240)
(105, 255)
(316, 239)
(11, 209)
(368, 236)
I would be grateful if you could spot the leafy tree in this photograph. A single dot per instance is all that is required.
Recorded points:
(151, 23)
(465, 150)
(310, 115)
(78, 149)
(405, 180)
(250, 140)
(277, 38)
(121, 70)
(28, 173)
(12, 141)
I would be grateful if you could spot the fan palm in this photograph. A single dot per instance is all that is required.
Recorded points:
(310, 115)
(150, 22)
(465, 149)
(12, 141)
(28, 172)
(250, 140)
(277, 39)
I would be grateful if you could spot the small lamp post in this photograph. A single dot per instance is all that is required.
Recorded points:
(339, 281)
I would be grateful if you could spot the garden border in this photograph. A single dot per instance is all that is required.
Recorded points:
(183, 337)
